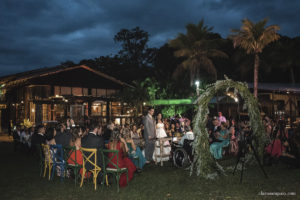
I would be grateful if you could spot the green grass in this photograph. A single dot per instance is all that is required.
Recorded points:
(19, 179)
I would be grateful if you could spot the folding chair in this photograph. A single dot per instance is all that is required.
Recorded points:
(90, 157)
(48, 163)
(58, 160)
(116, 170)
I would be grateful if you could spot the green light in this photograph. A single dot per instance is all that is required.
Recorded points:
(171, 102)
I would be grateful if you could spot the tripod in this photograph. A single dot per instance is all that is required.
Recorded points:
(243, 150)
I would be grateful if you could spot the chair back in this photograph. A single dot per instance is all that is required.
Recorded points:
(108, 156)
(47, 153)
(57, 153)
(68, 151)
(89, 158)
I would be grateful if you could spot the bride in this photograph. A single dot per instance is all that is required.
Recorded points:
(161, 133)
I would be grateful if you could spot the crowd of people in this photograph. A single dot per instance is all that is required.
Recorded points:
(225, 136)
(137, 144)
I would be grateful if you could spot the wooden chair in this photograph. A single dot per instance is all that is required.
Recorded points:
(116, 170)
(58, 160)
(74, 165)
(90, 156)
(48, 163)
(161, 145)
(41, 158)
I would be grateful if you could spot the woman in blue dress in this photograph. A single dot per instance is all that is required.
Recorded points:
(216, 148)
(135, 153)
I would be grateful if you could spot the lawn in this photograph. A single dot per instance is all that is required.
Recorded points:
(19, 179)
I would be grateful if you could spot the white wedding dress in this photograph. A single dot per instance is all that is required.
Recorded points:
(161, 133)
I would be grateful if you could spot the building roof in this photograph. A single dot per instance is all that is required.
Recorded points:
(39, 74)
(277, 87)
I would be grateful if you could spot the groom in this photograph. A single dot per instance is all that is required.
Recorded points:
(149, 134)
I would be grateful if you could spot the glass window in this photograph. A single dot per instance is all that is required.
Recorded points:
(85, 92)
(65, 91)
(77, 91)
(101, 93)
(94, 92)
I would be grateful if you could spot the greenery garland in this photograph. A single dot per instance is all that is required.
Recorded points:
(203, 162)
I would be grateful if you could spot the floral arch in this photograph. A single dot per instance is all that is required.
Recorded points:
(203, 162)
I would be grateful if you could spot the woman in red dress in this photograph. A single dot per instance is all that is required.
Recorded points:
(118, 143)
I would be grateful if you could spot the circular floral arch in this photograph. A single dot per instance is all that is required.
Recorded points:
(203, 162)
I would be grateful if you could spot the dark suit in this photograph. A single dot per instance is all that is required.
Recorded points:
(37, 139)
(149, 136)
(63, 138)
(93, 141)
(17, 139)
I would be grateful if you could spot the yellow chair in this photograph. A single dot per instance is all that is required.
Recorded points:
(90, 156)
(47, 160)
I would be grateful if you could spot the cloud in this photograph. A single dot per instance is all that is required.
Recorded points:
(35, 34)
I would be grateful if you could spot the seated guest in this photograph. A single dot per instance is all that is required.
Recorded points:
(93, 141)
(63, 136)
(189, 135)
(216, 148)
(290, 154)
(172, 130)
(76, 140)
(39, 138)
(25, 138)
(108, 131)
(234, 147)
(135, 135)
(212, 130)
(135, 153)
(118, 143)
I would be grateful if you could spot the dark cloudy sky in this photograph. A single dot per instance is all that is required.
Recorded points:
(40, 33)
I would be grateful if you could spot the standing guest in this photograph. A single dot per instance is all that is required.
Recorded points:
(221, 118)
(17, 137)
(118, 143)
(38, 138)
(149, 134)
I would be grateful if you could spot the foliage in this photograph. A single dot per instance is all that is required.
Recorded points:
(134, 47)
(198, 49)
(254, 38)
(168, 111)
(203, 160)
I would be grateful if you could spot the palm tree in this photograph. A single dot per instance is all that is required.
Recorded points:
(253, 38)
(198, 47)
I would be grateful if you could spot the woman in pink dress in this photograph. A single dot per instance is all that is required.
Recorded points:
(118, 143)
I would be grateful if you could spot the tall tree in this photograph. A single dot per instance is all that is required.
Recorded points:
(135, 50)
(253, 37)
(198, 47)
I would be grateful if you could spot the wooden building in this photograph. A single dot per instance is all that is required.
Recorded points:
(52, 94)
